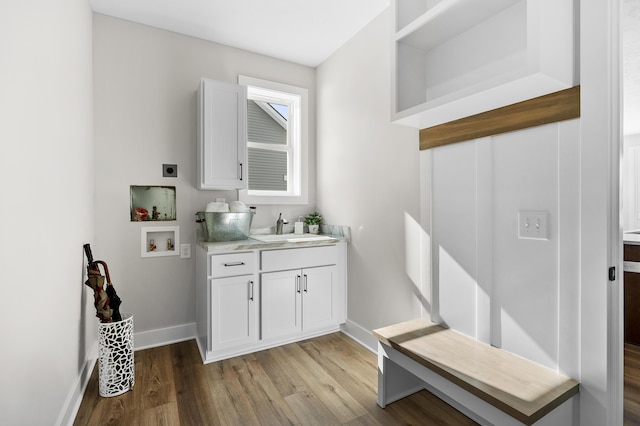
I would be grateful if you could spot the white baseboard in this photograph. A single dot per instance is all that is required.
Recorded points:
(164, 336)
(360, 335)
(74, 399)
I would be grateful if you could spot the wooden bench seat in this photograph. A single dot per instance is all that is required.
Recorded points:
(521, 388)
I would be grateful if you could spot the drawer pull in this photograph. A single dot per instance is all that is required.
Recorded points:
(234, 264)
(305, 282)
(297, 283)
(251, 290)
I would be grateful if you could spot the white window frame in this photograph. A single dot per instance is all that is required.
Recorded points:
(296, 99)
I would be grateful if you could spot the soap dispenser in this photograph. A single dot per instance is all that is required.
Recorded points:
(299, 225)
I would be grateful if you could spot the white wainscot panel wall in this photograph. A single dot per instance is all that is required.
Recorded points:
(518, 294)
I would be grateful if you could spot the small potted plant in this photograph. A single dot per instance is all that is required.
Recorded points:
(313, 220)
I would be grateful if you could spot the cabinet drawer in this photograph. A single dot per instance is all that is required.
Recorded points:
(233, 264)
(632, 252)
(280, 260)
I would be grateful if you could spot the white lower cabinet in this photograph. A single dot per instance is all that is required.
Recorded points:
(258, 299)
(295, 301)
(234, 308)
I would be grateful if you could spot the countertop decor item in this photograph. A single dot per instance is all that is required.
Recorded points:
(313, 220)
(218, 226)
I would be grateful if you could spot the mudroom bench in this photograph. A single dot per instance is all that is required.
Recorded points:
(488, 384)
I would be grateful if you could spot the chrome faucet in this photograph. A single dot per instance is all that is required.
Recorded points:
(279, 224)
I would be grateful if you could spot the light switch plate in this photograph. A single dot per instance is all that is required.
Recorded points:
(533, 225)
(185, 251)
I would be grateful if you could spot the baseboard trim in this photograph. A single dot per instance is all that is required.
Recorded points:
(74, 399)
(360, 335)
(164, 336)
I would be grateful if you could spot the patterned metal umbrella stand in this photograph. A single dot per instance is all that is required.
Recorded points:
(116, 365)
(116, 373)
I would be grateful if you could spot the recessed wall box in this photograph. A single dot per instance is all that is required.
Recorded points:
(159, 241)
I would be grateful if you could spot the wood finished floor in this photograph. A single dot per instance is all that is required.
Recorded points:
(328, 380)
(631, 384)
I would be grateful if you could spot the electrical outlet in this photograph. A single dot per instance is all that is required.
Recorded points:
(169, 170)
(185, 251)
(533, 225)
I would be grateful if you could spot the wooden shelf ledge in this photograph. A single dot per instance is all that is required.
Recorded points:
(557, 106)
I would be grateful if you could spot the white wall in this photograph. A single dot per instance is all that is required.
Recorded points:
(631, 182)
(145, 115)
(368, 178)
(47, 208)
(518, 294)
(548, 301)
(600, 300)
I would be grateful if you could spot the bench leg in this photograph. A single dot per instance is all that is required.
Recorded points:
(394, 382)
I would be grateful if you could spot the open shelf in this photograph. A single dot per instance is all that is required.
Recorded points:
(462, 57)
(442, 20)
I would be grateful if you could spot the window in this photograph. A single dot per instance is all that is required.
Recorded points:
(276, 142)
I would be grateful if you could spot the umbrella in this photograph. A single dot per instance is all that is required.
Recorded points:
(114, 299)
(107, 303)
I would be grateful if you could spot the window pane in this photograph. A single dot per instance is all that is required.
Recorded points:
(283, 110)
(265, 124)
(267, 170)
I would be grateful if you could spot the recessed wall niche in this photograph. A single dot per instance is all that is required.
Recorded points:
(159, 241)
(153, 203)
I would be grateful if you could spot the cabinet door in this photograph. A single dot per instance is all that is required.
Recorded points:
(281, 298)
(234, 308)
(222, 135)
(317, 296)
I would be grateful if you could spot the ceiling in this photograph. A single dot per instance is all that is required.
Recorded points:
(308, 31)
(302, 31)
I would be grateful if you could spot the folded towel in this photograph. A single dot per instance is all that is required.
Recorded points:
(218, 207)
(238, 207)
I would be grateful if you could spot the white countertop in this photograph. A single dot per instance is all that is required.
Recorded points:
(631, 238)
(251, 244)
(332, 233)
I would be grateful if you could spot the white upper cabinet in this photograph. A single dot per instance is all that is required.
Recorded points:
(222, 135)
(456, 58)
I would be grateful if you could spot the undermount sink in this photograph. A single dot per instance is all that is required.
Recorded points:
(290, 238)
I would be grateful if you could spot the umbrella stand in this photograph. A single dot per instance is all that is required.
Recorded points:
(116, 373)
